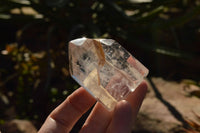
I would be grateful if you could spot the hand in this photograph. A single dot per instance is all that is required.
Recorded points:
(100, 120)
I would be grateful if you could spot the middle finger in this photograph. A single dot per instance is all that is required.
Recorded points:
(98, 120)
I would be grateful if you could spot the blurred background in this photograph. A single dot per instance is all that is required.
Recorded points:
(34, 76)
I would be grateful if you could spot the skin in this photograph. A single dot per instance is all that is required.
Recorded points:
(63, 118)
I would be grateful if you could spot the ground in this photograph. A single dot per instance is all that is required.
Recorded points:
(166, 108)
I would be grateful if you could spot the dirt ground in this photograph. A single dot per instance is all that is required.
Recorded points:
(166, 107)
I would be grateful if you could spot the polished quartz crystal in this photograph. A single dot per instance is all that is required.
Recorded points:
(105, 69)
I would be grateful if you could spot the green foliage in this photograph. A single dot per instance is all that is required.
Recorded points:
(25, 86)
(125, 20)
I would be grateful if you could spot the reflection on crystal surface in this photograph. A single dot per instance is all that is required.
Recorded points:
(105, 69)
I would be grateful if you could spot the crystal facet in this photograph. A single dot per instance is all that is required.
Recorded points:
(105, 69)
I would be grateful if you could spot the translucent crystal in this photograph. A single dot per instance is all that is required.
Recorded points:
(105, 69)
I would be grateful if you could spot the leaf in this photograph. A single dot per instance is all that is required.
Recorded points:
(195, 127)
(195, 93)
(197, 116)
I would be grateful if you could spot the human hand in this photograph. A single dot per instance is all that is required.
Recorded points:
(100, 120)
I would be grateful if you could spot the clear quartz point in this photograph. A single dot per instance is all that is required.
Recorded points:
(105, 69)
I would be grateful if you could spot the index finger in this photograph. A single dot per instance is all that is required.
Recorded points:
(64, 117)
(136, 98)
